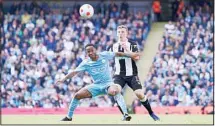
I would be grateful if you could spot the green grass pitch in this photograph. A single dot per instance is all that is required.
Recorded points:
(106, 119)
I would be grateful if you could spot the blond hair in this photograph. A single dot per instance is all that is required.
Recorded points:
(123, 26)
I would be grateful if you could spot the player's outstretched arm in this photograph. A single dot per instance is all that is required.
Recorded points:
(68, 76)
(134, 56)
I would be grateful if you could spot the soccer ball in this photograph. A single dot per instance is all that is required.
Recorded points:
(86, 11)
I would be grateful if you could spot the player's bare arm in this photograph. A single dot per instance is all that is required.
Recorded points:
(132, 55)
(68, 76)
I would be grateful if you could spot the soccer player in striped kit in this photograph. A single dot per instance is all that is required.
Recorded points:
(126, 71)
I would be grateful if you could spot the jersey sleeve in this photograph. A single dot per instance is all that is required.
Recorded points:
(134, 47)
(81, 67)
(108, 54)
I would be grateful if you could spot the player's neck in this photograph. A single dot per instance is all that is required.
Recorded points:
(123, 40)
(96, 58)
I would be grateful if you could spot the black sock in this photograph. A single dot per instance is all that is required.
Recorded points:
(147, 106)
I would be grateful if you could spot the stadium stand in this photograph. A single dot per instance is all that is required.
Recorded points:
(42, 44)
(182, 70)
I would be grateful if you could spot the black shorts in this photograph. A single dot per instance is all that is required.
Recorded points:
(132, 81)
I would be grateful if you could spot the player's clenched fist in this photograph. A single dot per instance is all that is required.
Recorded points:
(135, 56)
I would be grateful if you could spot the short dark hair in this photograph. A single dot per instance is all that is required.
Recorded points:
(89, 45)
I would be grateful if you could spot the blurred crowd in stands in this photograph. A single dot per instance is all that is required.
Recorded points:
(182, 70)
(42, 44)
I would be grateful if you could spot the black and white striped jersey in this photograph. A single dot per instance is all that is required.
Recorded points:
(123, 65)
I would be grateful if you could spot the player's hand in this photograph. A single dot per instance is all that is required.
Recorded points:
(135, 56)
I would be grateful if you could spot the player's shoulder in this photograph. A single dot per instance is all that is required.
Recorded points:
(103, 53)
(110, 46)
(106, 53)
(115, 44)
(132, 42)
(85, 61)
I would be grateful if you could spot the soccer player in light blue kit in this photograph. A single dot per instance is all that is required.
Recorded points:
(97, 65)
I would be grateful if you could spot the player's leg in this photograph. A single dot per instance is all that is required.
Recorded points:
(136, 86)
(81, 94)
(120, 81)
(115, 91)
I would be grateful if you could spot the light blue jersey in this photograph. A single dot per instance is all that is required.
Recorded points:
(101, 74)
(100, 69)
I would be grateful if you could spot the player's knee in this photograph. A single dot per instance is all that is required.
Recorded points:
(119, 88)
(112, 91)
(139, 94)
(77, 96)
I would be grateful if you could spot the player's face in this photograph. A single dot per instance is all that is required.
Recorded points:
(91, 52)
(122, 33)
